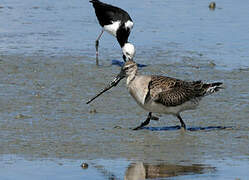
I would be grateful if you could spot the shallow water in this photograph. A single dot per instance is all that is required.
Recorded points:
(14, 166)
(48, 72)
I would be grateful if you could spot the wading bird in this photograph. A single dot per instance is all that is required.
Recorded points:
(118, 23)
(161, 94)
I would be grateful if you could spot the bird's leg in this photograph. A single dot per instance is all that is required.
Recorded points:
(182, 123)
(146, 122)
(97, 47)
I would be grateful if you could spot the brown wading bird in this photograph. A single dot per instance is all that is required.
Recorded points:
(161, 94)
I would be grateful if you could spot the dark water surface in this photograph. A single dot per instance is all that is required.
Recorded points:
(48, 72)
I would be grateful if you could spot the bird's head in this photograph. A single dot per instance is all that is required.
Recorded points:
(128, 51)
(129, 69)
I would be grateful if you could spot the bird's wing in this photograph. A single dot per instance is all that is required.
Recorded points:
(172, 92)
(107, 13)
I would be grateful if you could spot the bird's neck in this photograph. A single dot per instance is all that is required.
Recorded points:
(122, 35)
(130, 78)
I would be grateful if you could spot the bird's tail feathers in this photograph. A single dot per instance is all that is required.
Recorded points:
(94, 1)
(213, 87)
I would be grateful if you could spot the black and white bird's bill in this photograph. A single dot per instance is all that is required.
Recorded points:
(113, 83)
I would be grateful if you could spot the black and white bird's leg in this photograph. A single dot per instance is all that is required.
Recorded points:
(97, 47)
(146, 122)
(182, 122)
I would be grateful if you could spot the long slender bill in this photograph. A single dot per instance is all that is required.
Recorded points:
(112, 84)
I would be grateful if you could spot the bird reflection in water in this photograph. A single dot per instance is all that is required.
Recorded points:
(140, 171)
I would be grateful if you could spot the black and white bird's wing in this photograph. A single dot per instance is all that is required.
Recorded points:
(172, 92)
(107, 14)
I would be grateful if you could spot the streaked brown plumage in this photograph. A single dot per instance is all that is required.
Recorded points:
(172, 92)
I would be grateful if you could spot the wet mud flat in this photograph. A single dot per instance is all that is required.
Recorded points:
(44, 117)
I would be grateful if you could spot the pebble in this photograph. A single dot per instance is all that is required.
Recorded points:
(21, 116)
(212, 6)
(117, 127)
(212, 64)
(92, 111)
(84, 165)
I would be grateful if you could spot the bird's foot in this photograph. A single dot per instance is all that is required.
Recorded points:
(154, 118)
(137, 128)
(97, 60)
(183, 126)
(142, 124)
(146, 122)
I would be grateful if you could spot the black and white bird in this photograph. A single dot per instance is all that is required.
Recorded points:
(118, 23)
